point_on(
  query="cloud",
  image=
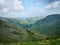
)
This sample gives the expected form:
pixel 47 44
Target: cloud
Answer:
pixel 5 10
pixel 53 5
pixel 56 4
pixel 18 5
pixel 2 2
pixel 3 6
pixel 11 5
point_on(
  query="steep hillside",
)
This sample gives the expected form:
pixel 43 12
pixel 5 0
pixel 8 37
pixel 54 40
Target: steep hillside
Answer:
pixel 49 25
pixel 11 31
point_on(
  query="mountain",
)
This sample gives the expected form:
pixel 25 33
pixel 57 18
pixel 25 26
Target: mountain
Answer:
pixel 12 31
pixel 49 25
pixel 15 30
pixel 32 20
pixel 21 22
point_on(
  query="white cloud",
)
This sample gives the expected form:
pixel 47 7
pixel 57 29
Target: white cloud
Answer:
pixel 3 7
pixel 53 5
pixel 48 6
pixel 56 4
pixel 9 6
pixel 18 5
pixel 5 10
pixel 2 2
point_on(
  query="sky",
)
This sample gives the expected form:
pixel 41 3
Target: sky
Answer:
pixel 28 8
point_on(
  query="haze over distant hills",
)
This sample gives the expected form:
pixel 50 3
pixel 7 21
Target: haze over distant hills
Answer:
pixel 34 19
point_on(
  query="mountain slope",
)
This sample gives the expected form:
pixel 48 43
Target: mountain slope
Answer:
pixel 11 31
pixel 49 25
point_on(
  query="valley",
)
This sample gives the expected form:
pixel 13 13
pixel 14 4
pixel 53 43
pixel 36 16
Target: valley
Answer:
pixel 32 31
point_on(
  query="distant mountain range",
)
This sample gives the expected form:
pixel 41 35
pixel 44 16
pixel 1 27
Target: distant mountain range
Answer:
pixel 34 19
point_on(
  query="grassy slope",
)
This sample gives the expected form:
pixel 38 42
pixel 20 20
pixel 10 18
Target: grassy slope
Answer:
pixel 49 25
pixel 43 42
pixel 11 31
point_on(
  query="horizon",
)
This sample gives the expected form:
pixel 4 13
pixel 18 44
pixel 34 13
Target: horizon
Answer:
pixel 29 17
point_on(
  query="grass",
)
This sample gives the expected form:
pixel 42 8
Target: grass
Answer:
pixel 43 42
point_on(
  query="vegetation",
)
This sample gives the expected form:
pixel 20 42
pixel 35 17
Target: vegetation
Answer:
pixel 43 32
pixel 43 42
pixel 49 25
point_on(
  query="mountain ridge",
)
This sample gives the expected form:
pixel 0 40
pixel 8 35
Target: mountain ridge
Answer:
pixel 47 24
